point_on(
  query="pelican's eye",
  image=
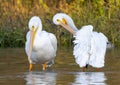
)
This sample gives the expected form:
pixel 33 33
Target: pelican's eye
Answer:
pixel 33 28
pixel 64 21
pixel 58 20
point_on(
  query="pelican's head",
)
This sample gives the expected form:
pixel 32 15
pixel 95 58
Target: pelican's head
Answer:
pixel 65 21
pixel 60 18
pixel 34 24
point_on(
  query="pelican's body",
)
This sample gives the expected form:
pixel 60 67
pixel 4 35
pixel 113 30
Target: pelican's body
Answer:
pixel 89 46
pixel 44 45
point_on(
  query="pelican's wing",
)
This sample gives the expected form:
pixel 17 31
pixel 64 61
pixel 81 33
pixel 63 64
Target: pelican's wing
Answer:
pixel 27 42
pixel 98 49
pixel 82 45
pixel 53 41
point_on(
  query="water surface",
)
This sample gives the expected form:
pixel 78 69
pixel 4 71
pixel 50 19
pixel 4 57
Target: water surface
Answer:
pixel 14 70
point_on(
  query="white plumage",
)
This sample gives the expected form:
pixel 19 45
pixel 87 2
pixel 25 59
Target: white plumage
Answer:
pixel 40 46
pixel 82 45
pixel 98 49
pixel 89 46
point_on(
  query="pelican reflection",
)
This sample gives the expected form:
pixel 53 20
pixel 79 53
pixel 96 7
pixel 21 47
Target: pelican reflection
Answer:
pixel 90 78
pixel 40 78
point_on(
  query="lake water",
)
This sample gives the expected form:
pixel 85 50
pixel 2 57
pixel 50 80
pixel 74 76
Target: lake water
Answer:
pixel 14 70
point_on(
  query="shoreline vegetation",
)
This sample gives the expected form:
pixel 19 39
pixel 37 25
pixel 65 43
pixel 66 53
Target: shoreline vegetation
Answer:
pixel 104 15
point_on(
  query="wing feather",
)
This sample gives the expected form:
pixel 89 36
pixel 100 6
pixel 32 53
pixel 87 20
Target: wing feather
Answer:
pixel 98 49
pixel 82 45
pixel 53 41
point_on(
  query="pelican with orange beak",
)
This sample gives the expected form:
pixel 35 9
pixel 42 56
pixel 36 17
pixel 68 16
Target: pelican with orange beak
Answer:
pixel 89 46
pixel 40 46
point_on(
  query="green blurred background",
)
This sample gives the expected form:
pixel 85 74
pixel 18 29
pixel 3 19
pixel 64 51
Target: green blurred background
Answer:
pixel 104 15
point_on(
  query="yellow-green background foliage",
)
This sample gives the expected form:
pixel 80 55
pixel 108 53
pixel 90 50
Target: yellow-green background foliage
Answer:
pixel 104 15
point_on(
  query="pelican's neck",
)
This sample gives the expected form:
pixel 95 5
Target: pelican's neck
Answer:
pixel 73 27
pixel 71 23
pixel 39 30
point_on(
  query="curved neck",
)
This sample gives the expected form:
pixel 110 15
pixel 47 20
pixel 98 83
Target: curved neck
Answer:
pixel 72 25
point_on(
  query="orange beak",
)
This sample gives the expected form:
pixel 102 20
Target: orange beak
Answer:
pixel 32 38
pixel 64 24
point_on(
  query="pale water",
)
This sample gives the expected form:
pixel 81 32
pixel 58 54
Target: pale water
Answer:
pixel 14 70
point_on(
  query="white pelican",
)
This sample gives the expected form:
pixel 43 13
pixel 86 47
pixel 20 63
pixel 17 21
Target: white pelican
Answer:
pixel 40 46
pixel 90 46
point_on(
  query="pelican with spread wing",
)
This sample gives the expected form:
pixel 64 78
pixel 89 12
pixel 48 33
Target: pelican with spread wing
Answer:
pixel 40 46
pixel 89 46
